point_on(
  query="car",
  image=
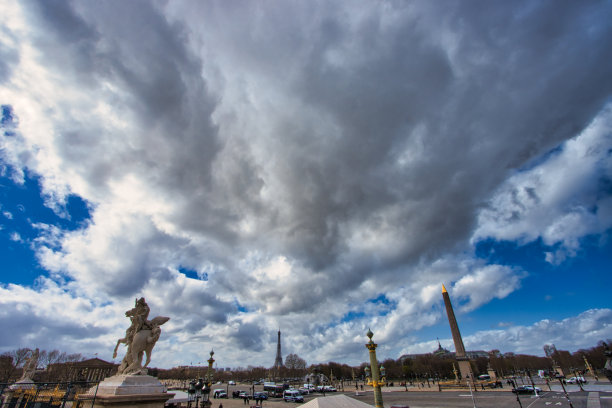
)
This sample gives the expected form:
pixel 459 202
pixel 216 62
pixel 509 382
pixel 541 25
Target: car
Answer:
pixel 260 395
pixel 576 380
pixel 238 394
pixel 304 391
pixel 292 395
pixel 525 389
pixel 231 382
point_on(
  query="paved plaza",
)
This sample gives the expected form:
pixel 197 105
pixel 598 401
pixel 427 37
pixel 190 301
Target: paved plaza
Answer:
pixel 595 396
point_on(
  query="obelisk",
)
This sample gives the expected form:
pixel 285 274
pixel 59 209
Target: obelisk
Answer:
pixel 462 360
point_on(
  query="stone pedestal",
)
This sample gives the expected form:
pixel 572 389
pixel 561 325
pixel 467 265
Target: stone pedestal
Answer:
pixel 16 391
pixel 466 370
pixel 558 371
pixel 128 391
pixel 23 384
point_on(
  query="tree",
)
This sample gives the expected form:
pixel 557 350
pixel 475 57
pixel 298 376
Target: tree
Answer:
pixel 49 357
pixel 295 362
pixel 11 361
pixel 295 365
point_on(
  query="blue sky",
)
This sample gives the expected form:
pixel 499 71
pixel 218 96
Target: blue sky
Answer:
pixel 320 168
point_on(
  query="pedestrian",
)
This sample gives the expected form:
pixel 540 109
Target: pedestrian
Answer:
pixel 244 399
pixel 221 405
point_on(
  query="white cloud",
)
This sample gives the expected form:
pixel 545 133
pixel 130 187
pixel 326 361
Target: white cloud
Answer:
pixel 308 159
pixel 559 200
pixel 573 333
pixel 486 283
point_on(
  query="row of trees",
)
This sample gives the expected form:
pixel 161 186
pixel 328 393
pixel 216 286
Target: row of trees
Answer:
pixel 411 369
pixel 402 369
pixel 11 362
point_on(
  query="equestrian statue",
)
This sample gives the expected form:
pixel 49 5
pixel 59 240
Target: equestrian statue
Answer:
pixel 140 338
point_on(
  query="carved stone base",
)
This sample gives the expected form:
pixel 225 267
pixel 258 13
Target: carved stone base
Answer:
pixel 129 385
pixel 23 384
pixel 128 391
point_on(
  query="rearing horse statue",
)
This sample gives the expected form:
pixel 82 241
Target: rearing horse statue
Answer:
pixel 140 338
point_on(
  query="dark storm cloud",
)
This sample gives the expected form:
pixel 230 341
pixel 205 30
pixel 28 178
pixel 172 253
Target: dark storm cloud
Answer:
pixel 248 336
pixel 420 102
pixel 468 92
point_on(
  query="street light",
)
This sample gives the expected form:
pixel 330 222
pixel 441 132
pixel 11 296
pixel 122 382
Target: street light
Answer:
pixel 191 393
pixel 589 368
pixel 194 392
pixel 198 391
pixel 375 379
pixel 206 385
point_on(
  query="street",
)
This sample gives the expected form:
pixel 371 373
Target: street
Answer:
pixel 415 398
pixel 491 399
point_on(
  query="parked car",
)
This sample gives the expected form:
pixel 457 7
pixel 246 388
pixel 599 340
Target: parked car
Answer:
pixel 525 389
pixel 292 396
pixel 238 394
pixel 261 395
pixel 231 382
pixel 576 380
pixel 304 391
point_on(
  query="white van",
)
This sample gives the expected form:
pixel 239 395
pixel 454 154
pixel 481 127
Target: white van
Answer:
pixel 220 393
pixel 310 387
pixel 292 396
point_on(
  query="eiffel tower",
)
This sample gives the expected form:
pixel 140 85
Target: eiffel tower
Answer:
pixel 278 363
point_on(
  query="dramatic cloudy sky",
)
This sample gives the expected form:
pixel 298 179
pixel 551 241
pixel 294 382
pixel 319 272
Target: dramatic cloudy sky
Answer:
pixel 321 167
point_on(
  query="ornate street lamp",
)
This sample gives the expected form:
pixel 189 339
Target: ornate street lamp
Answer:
pixel 375 378
pixel 589 368
pixel 191 393
pixel 206 390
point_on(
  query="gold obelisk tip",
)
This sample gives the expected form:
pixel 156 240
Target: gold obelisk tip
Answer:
pixel 443 289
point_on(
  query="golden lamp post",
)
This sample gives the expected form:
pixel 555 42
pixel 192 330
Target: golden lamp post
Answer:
pixel 211 360
pixel 206 397
pixel 589 368
pixel 375 379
